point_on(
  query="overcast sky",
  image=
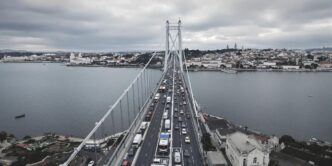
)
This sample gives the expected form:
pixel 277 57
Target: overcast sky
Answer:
pixel 120 25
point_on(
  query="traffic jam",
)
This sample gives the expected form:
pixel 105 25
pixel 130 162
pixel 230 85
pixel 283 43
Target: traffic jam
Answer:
pixel 173 143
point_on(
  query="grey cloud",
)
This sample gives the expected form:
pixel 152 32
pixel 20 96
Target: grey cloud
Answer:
pixel 139 25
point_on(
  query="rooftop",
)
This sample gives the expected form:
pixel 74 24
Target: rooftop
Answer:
pixel 216 158
pixel 241 142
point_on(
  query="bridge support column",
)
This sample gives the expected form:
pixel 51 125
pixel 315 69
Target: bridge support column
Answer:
pixel 176 43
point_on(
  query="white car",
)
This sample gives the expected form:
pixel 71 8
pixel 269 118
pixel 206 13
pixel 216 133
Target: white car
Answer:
pixel 177 157
pixel 181 112
pixel 91 163
pixel 187 139
pixel 184 131
pixel 157 160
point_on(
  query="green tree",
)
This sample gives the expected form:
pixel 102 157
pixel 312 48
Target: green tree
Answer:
pixel 3 136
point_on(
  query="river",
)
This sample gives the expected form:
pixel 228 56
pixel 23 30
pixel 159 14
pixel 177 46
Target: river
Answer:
pixel 68 100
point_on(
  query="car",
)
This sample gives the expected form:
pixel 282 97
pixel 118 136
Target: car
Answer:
pixel 187 139
pixel 131 152
pixel 176 127
pixel 188 116
pixel 175 109
pixel 183 125
pixel 91 163
pixel 184 103
pixel 186 153
pixel 184 131
pixel 156 160
pixel 181 111
pixel 175 115
pixel 125 163
pixel 180 119
pixel 180 104
pixel 163 102
pixel 177 157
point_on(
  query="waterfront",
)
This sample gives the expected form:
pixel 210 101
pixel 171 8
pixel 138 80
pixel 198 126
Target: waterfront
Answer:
pixel 68 100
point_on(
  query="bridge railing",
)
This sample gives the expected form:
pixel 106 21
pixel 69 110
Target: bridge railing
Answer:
pixel 125 143
pixel 122 116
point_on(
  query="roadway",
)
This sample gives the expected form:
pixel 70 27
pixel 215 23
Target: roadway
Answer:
pixel 148 151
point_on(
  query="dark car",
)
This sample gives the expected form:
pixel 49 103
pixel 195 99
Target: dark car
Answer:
pixel 186 153
pixel 188 116
pixel 131 152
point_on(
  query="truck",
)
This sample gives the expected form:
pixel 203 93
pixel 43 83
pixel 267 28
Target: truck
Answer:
pixel 168 99
pixel 137 140
pixel 165 115
pixel 167 124
pixel 163 145
pixel 143 126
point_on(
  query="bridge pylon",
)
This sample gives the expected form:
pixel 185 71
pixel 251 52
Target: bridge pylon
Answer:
pixel 173 44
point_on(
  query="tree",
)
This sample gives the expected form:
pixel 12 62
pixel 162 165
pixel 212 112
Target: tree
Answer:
pixel 286 139
pixel 27 137
pixel 3 136
pixel 207 143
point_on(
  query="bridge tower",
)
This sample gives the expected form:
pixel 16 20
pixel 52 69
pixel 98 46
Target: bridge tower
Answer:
pixel 173 44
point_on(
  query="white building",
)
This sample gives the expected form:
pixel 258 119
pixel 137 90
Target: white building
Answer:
pixel 288 67
pixel 79 59
pixel 243 150
pixel 15 58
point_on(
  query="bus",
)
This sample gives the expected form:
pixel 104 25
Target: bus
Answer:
pixel 163 142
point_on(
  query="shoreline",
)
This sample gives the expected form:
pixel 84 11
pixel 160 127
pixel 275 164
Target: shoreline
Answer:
pixel 229 71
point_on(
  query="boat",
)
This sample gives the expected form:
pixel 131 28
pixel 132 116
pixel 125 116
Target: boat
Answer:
pixel 20 116
pixel 229 71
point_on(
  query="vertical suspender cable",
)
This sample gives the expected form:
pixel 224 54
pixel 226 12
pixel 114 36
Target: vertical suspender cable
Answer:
pixel 139 103
pixel 113 125
pixel 134 104
pixel 128 109
pixel 142 92
pixel 122 126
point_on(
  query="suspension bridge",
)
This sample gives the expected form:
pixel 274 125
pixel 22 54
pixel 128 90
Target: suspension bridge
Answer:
pixel 159 120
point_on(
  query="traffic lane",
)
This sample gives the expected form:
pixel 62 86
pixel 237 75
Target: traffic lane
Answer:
pixel 196 157
pixel 148 148
pixel 151 140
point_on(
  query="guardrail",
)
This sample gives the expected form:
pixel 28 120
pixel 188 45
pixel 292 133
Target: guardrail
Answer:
pixel 114 160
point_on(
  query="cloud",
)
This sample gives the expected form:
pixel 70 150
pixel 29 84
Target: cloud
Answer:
pixel 105 25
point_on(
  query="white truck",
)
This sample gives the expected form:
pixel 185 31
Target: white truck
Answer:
pixel 167 124
pixel 168 99
pixel 165 115
pixel 137 140
pixel 143 126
